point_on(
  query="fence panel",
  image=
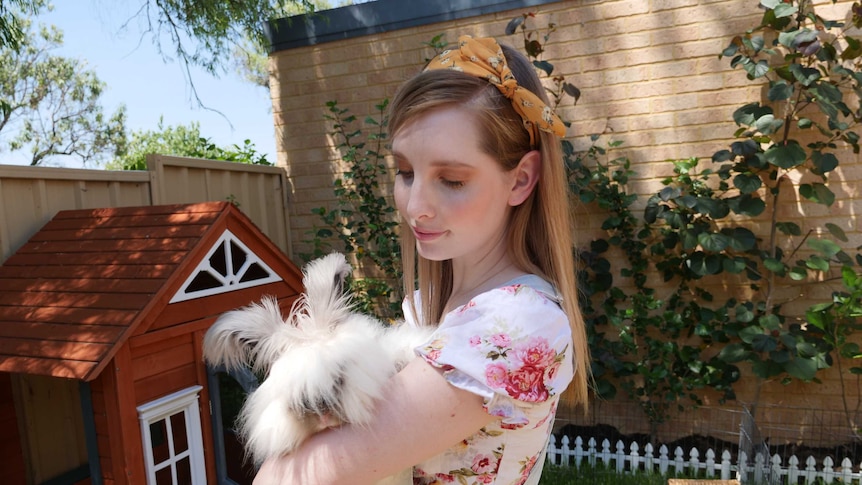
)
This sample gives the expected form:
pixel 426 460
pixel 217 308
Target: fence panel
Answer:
pixel 31 196
pixel 259 191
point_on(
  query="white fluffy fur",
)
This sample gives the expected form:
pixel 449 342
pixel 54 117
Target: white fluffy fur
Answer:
pixel 325 364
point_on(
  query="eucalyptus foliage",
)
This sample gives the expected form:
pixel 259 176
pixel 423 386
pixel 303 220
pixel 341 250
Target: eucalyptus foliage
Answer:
pixel 50 105
pixel 182 141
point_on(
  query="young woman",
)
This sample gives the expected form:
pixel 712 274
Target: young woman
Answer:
pixel 487 236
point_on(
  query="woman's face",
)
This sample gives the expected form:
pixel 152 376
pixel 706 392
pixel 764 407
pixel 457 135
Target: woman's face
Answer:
pixel 454 197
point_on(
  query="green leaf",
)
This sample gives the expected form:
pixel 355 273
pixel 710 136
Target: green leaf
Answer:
pixel 779 91
pixel 775 266
pixel 713 242
pixel 746 205
pixel 741 238
pixel 785 10
pixel 836 231
pixel 798 273
pixel 745 315
pixel 749 114
pixel 824 246
pixel 804 369
pixel 545 66
pixel 767 124
pixel 733 353
pixel 818 193
pixel 734 265
pixel 824 162
pixel 817 263
pixel 850 351
pixel 702 264
pixel 715 208
pixel 750 334
pixel 763 343
pixel 789 228
pixel 805 75
pixel 786 156
pixel 513 24
pixel 747 183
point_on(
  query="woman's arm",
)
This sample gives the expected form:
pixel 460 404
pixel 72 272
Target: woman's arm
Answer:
pixel 419 416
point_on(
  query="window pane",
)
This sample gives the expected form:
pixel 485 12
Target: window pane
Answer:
pixel 178 428
pixel 159 439
pixel 184 471
pixel 163 476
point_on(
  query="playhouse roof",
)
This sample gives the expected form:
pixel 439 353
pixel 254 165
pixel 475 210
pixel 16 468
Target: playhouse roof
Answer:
pixel 89 279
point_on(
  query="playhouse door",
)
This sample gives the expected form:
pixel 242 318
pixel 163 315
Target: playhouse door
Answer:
pixel 173 443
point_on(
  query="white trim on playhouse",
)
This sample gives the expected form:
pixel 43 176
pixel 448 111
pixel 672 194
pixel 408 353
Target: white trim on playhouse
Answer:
pixel 180 451
pixel 229 265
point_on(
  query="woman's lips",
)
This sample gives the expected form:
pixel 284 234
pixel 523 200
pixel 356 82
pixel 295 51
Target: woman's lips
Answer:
pixel 424 235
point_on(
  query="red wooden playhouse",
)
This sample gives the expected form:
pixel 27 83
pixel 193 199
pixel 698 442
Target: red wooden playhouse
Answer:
pixel 102 318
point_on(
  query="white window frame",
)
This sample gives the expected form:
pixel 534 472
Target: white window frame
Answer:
pixel 185 401
pixel 231 281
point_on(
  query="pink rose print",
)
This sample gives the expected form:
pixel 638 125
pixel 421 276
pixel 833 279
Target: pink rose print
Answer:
pixel 527 384
pixel 523 371
pixel 444 478
pixel 535 352
pixel 483 464
pixel 511 289
pixel 485 468
pixel 496 375
pixel 475 341
pixel 526 469
pixel 501 340
pixel 470 304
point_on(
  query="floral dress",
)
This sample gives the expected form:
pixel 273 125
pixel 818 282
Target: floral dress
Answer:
pixel 512 346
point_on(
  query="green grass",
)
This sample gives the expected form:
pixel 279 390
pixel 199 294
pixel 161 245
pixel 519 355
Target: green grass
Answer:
pixel 587 475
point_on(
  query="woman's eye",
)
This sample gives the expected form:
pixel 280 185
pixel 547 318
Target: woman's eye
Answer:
pixel 404 174
pixel 453 184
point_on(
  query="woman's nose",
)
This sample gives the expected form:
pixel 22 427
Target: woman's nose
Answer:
pixel 419 203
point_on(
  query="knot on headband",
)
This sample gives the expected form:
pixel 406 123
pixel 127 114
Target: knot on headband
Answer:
pixel 483 58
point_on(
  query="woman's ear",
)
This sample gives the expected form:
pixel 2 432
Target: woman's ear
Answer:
pixel 526 175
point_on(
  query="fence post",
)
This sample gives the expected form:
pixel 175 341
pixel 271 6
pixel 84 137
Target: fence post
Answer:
pixel 726 466
pixel 649 458
pixel 620 457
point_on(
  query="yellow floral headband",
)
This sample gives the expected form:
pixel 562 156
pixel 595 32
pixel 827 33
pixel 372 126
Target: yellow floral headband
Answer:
pixel 483 58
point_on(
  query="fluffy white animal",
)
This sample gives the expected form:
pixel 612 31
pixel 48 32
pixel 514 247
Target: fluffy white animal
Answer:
pixel 325 364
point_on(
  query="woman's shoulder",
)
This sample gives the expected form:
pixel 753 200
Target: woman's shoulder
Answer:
pixel 527 293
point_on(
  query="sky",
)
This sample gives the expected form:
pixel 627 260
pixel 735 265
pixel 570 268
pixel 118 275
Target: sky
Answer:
pixel 136 75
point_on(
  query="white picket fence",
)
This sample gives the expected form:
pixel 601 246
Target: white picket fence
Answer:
pixel 758 471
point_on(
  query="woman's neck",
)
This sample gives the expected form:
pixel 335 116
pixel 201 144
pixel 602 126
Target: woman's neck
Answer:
pixel 475 277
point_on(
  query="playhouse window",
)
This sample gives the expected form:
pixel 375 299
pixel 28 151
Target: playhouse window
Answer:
pixel 173 443
pixel 229 265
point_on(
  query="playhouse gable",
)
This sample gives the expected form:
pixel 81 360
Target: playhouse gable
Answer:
pixel 229 265
pixel 91 279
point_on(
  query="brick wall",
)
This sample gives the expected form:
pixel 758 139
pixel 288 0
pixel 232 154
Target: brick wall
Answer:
pixel 650 77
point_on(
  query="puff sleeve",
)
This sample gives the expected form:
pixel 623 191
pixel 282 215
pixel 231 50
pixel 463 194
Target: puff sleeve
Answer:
pixel 511 345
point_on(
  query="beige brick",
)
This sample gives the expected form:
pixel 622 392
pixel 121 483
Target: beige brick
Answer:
pixel 626 75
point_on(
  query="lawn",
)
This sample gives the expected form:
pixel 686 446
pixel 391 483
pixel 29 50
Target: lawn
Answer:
pixel 586 475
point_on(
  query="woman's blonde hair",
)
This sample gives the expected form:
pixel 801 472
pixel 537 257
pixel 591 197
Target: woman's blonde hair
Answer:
pixel 539 229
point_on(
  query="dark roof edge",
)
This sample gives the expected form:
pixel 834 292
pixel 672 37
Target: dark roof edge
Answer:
pixel 378 16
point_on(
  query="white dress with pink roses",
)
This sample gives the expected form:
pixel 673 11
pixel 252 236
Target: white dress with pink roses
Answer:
pixel 512 346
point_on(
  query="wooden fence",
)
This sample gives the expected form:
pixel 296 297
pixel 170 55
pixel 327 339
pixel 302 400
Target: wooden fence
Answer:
pixel 760 469
pixel 31 196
